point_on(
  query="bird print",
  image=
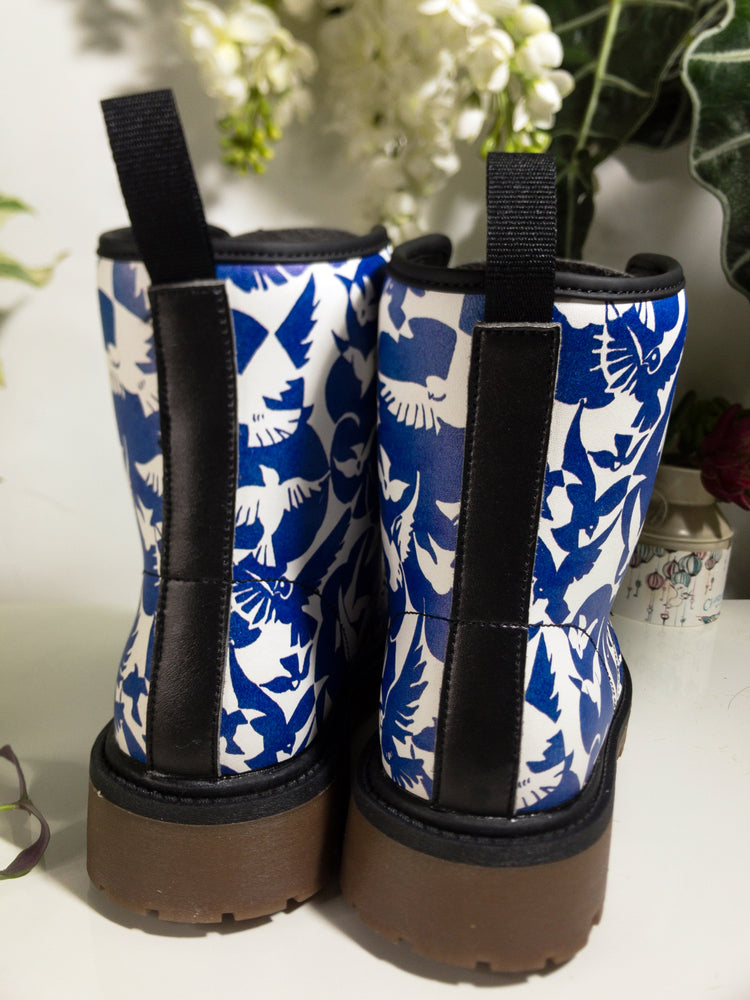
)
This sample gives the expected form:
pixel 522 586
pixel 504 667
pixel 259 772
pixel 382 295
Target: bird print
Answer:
pixel 436 565
pixel 392 489
pixel 356 347
pixel 633 355
pixel 305 337
pixel 396 542
pixel 152 473
pixel 130 355
pixel 450 510
pixel 149 527
pixel 423 377
pixel 353 466
pixel 273 346
pixel 267 505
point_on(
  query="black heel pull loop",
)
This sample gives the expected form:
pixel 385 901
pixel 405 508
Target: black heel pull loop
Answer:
pixel 512 376
pixel 521 238
pixel 159 188
pixel 195 360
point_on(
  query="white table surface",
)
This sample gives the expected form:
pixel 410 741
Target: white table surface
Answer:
pixel 677 917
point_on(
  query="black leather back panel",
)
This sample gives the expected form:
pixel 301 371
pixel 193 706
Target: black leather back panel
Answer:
pixel 197 399
pixel 511 390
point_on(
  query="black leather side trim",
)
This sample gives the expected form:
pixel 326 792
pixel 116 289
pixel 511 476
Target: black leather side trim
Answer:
pixel 195 359
pixel 423 263
pixel 511 389
pixel 281 246
pixel 495 841
pixel 226 799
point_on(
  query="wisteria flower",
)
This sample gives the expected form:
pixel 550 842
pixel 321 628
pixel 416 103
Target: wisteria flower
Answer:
pixel 255 68
pixel 464 12
pixel 403 85
pixel 302 9
pixel 489 54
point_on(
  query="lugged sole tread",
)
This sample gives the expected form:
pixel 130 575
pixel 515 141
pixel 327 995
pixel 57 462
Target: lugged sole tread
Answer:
pixel 492 965
pixel 195 874
pixel 511 920
pixel 475 963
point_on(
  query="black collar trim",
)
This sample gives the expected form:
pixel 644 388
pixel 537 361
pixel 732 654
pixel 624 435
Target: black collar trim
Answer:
pixel 280 246
pixel 423 262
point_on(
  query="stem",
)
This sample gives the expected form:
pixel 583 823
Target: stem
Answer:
pixel 605 51
pixel 599 77
pixel 570 184
pixel 711 17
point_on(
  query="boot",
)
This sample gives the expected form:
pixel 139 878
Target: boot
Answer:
pixel 523 406
pixel 243 375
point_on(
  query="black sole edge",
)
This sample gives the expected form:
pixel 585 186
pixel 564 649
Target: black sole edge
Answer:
pixel 229 799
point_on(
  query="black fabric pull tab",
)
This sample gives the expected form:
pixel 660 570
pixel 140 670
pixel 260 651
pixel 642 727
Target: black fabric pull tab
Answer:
pixel 159 188
pixel 521 238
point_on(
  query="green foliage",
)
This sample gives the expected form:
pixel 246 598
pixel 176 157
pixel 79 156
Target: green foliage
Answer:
pixel 716 72
pixel 620 53
pixel 656 72
pixel 37 276
pixel 692 420
pixel 248 135
pixel 11 268
pixel 671 119
pixel 10 206
pixel 14 269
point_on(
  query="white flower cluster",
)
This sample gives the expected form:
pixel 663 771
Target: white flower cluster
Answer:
pixel 256 69
pixel 408 81
pixel 405 81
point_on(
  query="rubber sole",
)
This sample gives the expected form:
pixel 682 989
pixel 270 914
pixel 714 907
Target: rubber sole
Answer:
pixel 197 851
pixel 198 873
pixel 511 895
pixel 509 919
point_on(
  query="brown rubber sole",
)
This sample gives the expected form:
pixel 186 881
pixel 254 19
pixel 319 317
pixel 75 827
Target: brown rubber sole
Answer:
pixel 514 900
pixel 510 919
pixel 193 873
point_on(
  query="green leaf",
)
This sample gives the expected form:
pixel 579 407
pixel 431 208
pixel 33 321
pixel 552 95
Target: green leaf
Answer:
pixel 619 53
pixel 37 276
pixel 691 420
pixel 14 269
pixel 669 123
pixel 11 206
pixel 672 116
pixel 716 72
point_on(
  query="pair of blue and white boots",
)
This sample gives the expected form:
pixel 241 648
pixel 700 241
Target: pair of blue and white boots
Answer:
pixel 352 467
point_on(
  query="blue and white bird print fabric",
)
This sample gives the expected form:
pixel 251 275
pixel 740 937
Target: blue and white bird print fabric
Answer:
pixel 129 346
pixel 306 551
pixel 424 355
pixel 616 377
pixel 306 555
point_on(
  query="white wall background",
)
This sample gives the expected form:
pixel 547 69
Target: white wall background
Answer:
pixel 67 532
